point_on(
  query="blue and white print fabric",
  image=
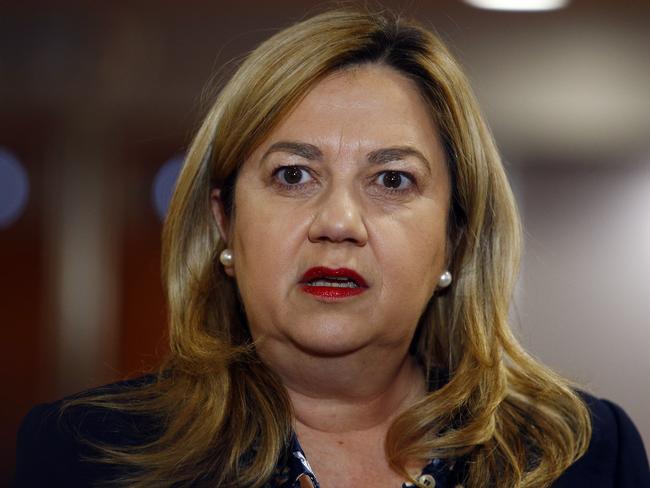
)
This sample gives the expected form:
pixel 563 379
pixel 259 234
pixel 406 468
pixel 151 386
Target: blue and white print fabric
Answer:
pixel 297 473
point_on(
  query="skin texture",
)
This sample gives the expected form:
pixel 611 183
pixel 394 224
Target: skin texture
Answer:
pixel 345 363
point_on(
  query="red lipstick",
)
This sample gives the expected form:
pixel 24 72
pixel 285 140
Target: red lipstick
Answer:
pixel 333 283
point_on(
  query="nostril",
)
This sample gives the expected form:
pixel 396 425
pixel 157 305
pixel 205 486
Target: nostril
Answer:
pixel 330 226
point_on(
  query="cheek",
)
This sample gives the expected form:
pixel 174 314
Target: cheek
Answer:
pixel 264 243
pixel 257 269
pixel 413 254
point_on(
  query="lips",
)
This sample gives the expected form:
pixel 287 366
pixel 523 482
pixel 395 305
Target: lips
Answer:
pixel 333 284
pixel 323 273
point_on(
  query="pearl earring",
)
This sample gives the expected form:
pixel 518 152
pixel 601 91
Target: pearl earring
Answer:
pixel 445 279
pixel 226 257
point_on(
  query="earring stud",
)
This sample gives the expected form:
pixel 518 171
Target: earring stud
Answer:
pixel 226 257
pixel 445 279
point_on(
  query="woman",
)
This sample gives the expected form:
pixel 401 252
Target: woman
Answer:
pixel 339 256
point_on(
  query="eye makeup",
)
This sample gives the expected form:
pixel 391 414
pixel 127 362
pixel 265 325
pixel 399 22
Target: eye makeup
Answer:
pixel 296 178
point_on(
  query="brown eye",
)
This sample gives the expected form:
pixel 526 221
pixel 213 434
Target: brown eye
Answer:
pixel 392 179
pixel 292 175
pixel 395 180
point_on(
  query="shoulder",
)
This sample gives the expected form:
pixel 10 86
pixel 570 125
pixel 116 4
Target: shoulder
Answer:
pixel 616 455
pixel 55 445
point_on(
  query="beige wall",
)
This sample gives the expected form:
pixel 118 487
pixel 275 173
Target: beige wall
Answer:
pixel 583 303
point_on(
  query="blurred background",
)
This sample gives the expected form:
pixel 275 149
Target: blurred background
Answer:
pixel 98 101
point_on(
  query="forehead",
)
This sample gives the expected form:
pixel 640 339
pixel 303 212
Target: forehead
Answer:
pixel 364 87
pixel 363 107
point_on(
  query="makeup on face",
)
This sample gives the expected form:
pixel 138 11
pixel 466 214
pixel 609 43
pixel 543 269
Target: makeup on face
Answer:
pixel 340 234
pixel 333 283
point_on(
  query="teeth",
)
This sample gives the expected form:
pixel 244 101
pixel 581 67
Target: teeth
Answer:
pixel 342 284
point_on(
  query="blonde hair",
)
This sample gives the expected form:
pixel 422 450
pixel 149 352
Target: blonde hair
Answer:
pixel 226 417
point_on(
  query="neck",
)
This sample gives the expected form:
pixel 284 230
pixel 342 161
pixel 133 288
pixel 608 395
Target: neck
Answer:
pixel 359 392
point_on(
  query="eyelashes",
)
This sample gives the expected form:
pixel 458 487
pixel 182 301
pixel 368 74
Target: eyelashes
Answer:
pixel 299 178
pixel 292 176
pixel 399 181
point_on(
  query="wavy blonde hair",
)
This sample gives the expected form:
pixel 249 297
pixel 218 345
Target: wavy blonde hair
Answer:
pixel 226 417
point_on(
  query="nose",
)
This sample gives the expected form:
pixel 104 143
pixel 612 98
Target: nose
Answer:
pixel 338 218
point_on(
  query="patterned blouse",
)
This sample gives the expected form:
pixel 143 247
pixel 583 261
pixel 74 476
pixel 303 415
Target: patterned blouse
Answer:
pixel 295 472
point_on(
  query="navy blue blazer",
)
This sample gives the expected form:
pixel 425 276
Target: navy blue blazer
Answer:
pixel 50 454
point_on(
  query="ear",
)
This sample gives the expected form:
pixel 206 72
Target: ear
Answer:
pixel 223 224
pixel 219 214
pixel 222 221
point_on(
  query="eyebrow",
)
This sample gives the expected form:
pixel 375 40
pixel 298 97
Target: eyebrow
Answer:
pixel 302 149
pixel 397 153
pixel 378 156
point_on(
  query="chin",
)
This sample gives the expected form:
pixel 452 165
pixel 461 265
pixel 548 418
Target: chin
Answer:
pixel 329 342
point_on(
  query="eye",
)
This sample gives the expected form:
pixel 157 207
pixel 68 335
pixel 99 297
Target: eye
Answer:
pixel 396 180
pixel 292 175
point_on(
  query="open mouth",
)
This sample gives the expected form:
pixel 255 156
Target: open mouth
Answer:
pixel 333 283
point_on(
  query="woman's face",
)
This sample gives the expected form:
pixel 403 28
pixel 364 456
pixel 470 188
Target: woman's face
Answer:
pixel 354 178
